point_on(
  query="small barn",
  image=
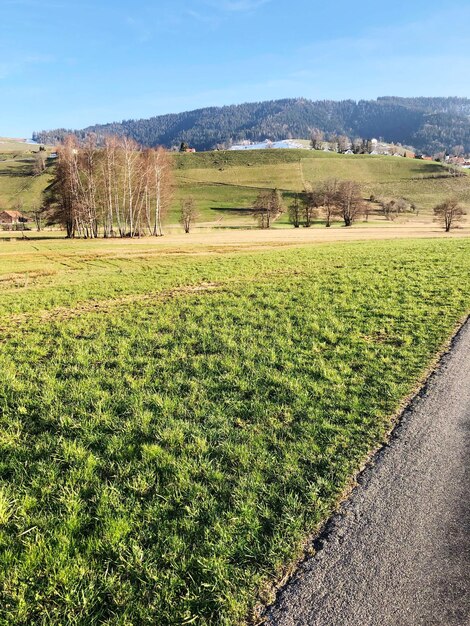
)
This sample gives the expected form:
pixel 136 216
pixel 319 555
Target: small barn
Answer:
pixel 11 218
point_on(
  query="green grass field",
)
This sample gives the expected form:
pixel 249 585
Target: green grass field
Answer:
pixel 173 426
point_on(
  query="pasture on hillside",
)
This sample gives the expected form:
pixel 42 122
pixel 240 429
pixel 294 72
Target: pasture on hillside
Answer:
pixel 224 181
pixel 19 187
pixel 174 423
pixel 8 145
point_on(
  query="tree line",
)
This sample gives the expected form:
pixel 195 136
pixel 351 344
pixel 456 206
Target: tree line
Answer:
pixel 343 200
pixel 117 190
pixel 429 124
pixel 333 198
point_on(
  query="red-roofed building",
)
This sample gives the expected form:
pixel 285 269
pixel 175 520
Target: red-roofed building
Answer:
pixel 11 218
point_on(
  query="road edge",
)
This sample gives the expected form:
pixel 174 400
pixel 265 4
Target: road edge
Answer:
pixel 316 540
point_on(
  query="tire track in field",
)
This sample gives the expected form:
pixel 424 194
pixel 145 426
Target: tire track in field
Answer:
pixel 20 322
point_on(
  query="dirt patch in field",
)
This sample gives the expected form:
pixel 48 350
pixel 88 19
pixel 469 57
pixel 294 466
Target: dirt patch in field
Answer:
pixel 22 280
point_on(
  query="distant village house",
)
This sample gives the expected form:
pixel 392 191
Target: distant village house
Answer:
pixel 12 218
pixel 184 147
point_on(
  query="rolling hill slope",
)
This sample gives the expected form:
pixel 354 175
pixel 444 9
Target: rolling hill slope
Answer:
pixel 223 181
pixel 19 187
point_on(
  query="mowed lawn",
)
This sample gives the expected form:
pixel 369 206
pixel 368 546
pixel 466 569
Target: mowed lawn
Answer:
pixel 173 426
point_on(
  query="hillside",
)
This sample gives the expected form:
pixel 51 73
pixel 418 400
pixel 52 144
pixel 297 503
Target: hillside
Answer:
pixel 225 183
pixel 222 182
pixel 19 186
pixel 9 145
pixel 428 124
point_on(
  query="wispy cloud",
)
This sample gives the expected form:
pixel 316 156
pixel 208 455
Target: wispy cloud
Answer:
pixel 140 29
pixel 34 4
pixel 383 59
pixel 209 19
pixel 237 6
pixel 8 69
pixel 393 42
pixel 221 10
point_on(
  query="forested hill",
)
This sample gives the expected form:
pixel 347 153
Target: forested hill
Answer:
pixel 428 124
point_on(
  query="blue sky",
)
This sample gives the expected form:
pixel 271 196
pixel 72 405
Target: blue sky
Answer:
pixel 73 63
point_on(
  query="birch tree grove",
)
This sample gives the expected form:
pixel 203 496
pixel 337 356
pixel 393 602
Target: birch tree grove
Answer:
pixel 118 190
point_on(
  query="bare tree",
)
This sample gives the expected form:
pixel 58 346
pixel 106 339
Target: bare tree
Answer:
pixel 367 146
pixel 158 188
pixel 317 138
pixel 267 207
pixel 344 143
pixel 389 209
pixel 37 210
pixel 111 187
pixel 325 197
pixel 349 202
pixel 357 145
pixel 87 187
pixel 39 163
pixel 295 212
pixel 18 204
pixel 402 205
pixel 62 201
pixel 393 207
pixel 449 213
pixel 458 151
pixel 308 206
pixel 188 214
pixel 333 141
pixel 132 177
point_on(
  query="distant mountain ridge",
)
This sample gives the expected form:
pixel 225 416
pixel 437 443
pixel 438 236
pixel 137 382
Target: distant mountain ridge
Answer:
pixel 429 124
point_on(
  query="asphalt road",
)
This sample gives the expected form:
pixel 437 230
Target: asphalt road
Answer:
pixel 398 552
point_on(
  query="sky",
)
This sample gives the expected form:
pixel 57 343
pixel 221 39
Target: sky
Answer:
pixel 72 63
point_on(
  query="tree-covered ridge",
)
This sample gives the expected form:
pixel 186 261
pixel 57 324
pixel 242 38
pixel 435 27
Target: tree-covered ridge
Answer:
pixel 428 124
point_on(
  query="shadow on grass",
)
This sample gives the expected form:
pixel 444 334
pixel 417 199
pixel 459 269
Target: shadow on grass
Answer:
pixel 233 210
pixel 17 235
pixel 17 172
